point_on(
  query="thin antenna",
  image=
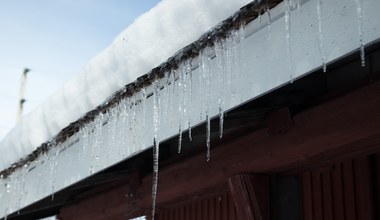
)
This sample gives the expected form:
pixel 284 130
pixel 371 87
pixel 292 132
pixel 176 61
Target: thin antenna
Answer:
pixel 22 94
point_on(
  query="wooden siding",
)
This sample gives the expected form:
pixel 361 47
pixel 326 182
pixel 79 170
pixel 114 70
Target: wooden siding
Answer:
pixel 217 207
pixel 343 190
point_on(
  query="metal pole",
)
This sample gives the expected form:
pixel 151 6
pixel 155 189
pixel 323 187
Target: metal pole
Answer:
pixel 22 94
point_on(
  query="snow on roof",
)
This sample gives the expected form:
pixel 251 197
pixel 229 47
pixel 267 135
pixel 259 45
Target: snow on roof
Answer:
pixel 149 41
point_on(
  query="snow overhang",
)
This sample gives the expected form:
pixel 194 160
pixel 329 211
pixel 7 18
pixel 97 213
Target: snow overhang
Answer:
pixel 227 67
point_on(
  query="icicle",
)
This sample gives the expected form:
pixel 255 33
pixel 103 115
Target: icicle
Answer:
pixel 235 66
pixel 124 127
pixel 219 52
pixel 241 61
pixel 207 76
pixel 156 142
pixel 6 191
pixel 201 82
pixel 298 2
pixel 54 160
pixel 298 7
pixel 288 37
pixel 113 114
pixel 85 132
pixel 134 127
pixel 181 104
pixel 269 23
pixel 172 95
pixel 97 142
pixel 259 16
pixel 228 66
pixel 7 195
pixel 359 10
pixel 22 187
pixel 143 104
pixel 166 100
pixel 320 34
pixel 190 80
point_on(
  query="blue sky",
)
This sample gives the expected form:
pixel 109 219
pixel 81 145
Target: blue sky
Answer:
pixel 54 39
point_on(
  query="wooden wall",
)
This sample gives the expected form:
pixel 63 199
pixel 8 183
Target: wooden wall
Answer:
pixel 339 130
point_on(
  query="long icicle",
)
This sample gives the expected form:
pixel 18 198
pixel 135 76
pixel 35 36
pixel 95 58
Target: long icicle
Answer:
pixel 190 102
pixel 156 143
pixel 180 105
pixel 219 52
pixel 208 76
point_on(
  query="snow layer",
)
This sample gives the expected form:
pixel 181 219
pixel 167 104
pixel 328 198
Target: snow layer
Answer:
pixel 149 41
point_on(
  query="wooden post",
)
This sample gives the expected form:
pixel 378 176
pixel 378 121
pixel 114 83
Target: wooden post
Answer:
pixel 250 194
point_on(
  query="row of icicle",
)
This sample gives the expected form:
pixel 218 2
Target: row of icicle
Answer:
pixel 127 121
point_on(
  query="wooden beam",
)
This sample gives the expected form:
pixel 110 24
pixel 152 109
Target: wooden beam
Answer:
pixel 344 127
pixel 250 194
pixel 279 122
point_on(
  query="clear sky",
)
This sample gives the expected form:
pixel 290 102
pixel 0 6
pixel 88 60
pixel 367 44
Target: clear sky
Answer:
pixel 55 39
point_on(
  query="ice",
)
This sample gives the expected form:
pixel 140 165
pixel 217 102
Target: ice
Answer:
pixel 320 34
pixel 143 98
pixel 172 96
pixel 182 101
pixel 359 10
pixel 53 168
pixel 267 12
pixel 206 76
pixel 189 107
pixel 221 70
pixel 166 102
pixel 288 36
pixel 156 142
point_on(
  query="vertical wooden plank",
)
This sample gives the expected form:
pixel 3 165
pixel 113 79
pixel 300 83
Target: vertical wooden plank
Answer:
pixel 192 211
pixel 337 185
pixel 199 210
pixel 212 208
pixel 377 187
pixel 258 186
pixel 307 196
pixel 218 207
pixel 205 209
pixel 232 214
pixel 177 214
pixel 250 194
pixel 241 198
pixel 225 199
pixel 317 195
pixel 327 196
pixel 349 191
pixel 364 192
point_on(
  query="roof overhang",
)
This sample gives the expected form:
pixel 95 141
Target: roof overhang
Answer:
pixel 259 55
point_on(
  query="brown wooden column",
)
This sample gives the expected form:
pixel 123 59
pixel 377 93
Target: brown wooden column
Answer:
pixel 250 194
